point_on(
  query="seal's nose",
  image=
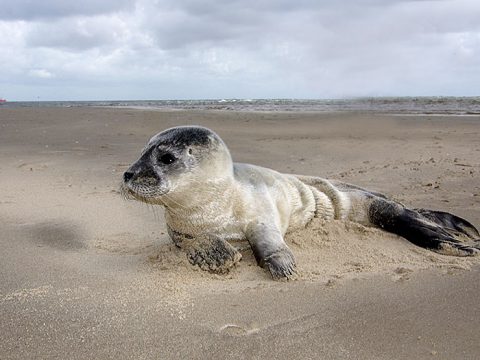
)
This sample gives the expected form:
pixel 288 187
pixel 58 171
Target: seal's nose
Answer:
pixel 127 175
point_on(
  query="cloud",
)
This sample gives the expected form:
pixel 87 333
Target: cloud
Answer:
pixel 264 48
pixel 77 34
pixel 41 73
pixel 48 9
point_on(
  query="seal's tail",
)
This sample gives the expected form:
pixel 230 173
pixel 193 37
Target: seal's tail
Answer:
pixel 435 230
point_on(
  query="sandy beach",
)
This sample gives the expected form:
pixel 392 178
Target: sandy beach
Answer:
pixel 85 274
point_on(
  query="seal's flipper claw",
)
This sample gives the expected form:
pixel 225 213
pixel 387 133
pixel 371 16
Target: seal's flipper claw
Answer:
pixel 459 249
pixel 270 250
pixel 281 264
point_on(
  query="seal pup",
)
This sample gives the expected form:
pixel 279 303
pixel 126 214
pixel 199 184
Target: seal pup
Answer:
pixel 209 201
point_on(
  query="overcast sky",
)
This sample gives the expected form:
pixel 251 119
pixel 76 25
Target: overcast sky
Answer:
pixel 193 49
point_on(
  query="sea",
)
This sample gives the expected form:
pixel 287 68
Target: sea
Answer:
pixel 395 105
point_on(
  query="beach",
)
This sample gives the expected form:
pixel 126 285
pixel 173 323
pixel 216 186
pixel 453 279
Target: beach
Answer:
pixel 85 273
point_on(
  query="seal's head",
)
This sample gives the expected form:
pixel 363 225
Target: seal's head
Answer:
pixel 175 161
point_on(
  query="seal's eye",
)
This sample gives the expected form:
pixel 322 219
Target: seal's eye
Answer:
pixel 167 158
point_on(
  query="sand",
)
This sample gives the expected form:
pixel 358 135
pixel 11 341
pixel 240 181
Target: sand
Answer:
pixel 86 274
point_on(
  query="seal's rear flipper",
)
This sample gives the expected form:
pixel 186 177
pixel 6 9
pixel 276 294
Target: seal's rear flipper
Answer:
pixel 441 232
pixel 450 221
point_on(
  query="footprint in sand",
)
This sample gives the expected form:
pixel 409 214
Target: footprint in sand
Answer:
pixel 237 330
pixel 32 167
pixel 402 274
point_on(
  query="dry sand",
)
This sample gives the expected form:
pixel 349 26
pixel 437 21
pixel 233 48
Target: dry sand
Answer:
pixel 85 274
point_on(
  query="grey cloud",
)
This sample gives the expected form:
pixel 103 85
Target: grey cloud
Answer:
pixel 341 26
pixel 75 34
pixel 182 24
pixel 47 9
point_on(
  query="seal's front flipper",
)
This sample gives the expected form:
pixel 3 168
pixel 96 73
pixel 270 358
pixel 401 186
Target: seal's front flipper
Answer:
pixel 270 250
pixel 212 253
pixel 429 229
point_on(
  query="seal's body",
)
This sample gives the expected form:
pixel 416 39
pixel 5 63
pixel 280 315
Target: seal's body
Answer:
pixel 209 200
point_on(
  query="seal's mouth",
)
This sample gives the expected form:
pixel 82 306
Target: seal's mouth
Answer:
pixel 147 191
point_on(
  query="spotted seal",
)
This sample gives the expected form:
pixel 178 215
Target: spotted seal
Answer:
pixel 210 201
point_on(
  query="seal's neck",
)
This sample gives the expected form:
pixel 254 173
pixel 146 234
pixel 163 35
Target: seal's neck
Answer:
pixel 199 195
pixel 206 207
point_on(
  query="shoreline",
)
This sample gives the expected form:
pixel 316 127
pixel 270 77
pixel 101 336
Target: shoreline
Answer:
pixel 381 105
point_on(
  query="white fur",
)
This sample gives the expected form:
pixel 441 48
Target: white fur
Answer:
pixel 221 197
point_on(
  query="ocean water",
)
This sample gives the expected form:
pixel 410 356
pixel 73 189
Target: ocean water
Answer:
pixel 396 105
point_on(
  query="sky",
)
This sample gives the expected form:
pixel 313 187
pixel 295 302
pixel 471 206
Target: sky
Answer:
pixel 215 49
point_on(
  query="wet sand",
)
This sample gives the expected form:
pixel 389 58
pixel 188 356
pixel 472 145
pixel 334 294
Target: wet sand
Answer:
pixel 85 274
